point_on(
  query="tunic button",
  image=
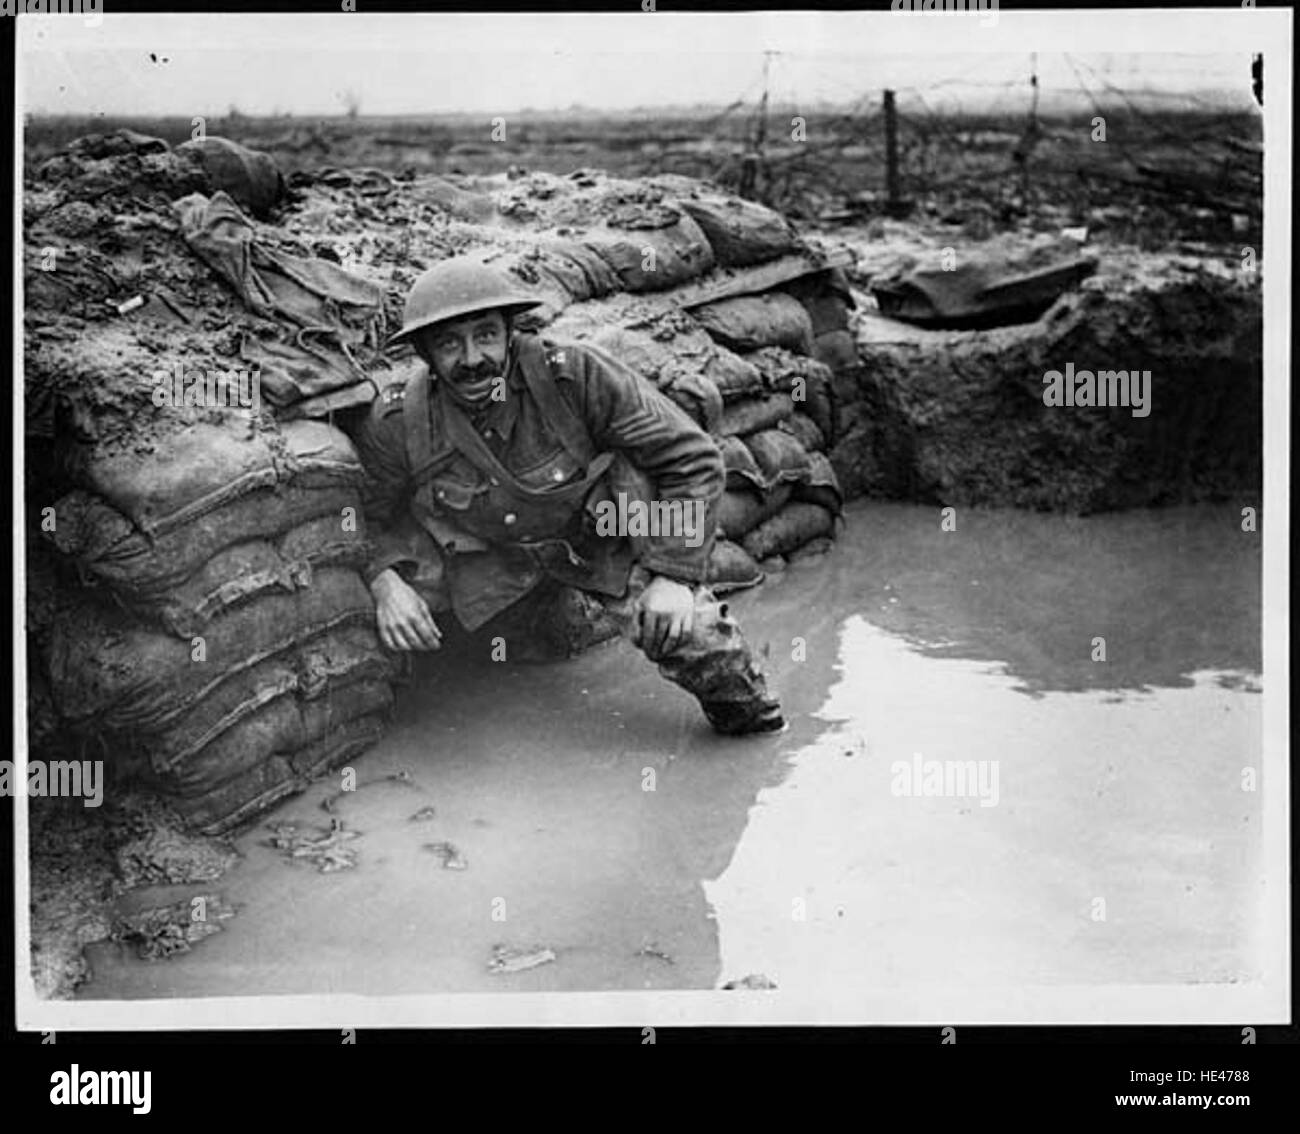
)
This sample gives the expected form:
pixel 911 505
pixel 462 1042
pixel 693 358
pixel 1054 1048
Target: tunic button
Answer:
pixel 558 474
pixel 493 482
pixel 510 517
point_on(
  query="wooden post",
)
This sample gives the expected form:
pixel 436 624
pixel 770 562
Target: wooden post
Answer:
pixel 894 204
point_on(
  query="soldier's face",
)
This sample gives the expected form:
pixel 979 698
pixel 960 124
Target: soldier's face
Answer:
pixel 469 353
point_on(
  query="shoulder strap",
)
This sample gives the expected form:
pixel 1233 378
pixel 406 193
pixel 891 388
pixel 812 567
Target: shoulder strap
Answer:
pixel 566 426
pixel 417 419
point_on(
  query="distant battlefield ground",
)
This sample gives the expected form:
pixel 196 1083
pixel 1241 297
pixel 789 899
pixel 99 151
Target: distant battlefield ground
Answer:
pixel 1158 177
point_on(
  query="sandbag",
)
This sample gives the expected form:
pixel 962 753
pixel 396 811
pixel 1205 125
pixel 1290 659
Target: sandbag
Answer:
pixel 189 472
pixel 311 670
pixel 805 431
pixel 837 349
pixel 552 280
pixel 251 177
pixel 227 805
pixel 792 527
pixel 805 379
pixel 779 456
pixel 731 568
pixel 742 510
pixel 753 414
pixel 810 550
pixel 653 259
pixel 243 571
pixel 742 469
pixel 828 311
pixel 107 545
pixel 699 397
pixel 751 322
pixel 110 669
pixel 740 232
pixel 580 270
pixel 282 726
pixel 820 485
pixel 734 376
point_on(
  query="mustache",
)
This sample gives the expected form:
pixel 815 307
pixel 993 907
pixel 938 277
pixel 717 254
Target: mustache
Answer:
pixel 463 375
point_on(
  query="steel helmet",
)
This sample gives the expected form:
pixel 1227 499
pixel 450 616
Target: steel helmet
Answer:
pixel 459 286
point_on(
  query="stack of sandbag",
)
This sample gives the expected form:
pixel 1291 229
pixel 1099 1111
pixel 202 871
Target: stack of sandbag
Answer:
pixel 782 496
pixel 748 368
pixel 771 410
pixel 227 652
pixel 828 299
pixel 568 239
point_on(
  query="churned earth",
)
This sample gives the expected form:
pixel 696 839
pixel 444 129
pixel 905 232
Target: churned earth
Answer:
pixel 508 838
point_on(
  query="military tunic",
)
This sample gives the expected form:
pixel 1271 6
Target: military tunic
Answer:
pixel 478 515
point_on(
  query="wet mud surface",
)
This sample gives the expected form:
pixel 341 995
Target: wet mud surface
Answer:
pixel 505 839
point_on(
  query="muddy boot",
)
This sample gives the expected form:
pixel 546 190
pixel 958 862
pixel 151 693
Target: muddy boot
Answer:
pixel 715 665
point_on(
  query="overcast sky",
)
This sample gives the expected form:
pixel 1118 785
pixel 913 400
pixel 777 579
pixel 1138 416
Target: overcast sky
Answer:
pixel 399 64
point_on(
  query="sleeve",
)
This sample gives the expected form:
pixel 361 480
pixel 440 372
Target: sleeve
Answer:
pixel 625 413
pixel 385 496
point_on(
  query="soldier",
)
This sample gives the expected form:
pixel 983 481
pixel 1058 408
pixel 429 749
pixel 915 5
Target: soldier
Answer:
pixel 487 474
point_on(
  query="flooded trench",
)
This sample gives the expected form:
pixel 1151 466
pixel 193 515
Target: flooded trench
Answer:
pixel 798 856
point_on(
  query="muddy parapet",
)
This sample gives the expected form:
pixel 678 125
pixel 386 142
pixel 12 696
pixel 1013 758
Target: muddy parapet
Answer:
pixel 963 417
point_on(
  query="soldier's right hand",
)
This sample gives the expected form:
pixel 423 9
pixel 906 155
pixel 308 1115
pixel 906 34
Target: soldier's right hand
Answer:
pixel 405 621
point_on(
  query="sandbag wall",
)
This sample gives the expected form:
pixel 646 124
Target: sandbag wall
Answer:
pixel 203 624
pixel 228 652
pixel 217 638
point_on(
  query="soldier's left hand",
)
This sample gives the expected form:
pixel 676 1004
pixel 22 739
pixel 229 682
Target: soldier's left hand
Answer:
pixel 667 616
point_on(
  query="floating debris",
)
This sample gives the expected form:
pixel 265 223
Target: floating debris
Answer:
pixel 753 981
pixel 452 859
pixel 164 931
pixel 424 814
pixel 508 960
pixel 327 851
pixel 653 950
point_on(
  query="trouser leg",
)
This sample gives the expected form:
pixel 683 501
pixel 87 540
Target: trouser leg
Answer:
pixel 716 665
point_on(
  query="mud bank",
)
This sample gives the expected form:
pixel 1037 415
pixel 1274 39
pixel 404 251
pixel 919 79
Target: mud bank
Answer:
pixel 958 417
pixel 968 645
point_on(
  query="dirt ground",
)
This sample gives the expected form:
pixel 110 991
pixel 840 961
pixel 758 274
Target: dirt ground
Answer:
pixel 1158 178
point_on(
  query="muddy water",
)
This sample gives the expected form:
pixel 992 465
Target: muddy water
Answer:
pixel 800 857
